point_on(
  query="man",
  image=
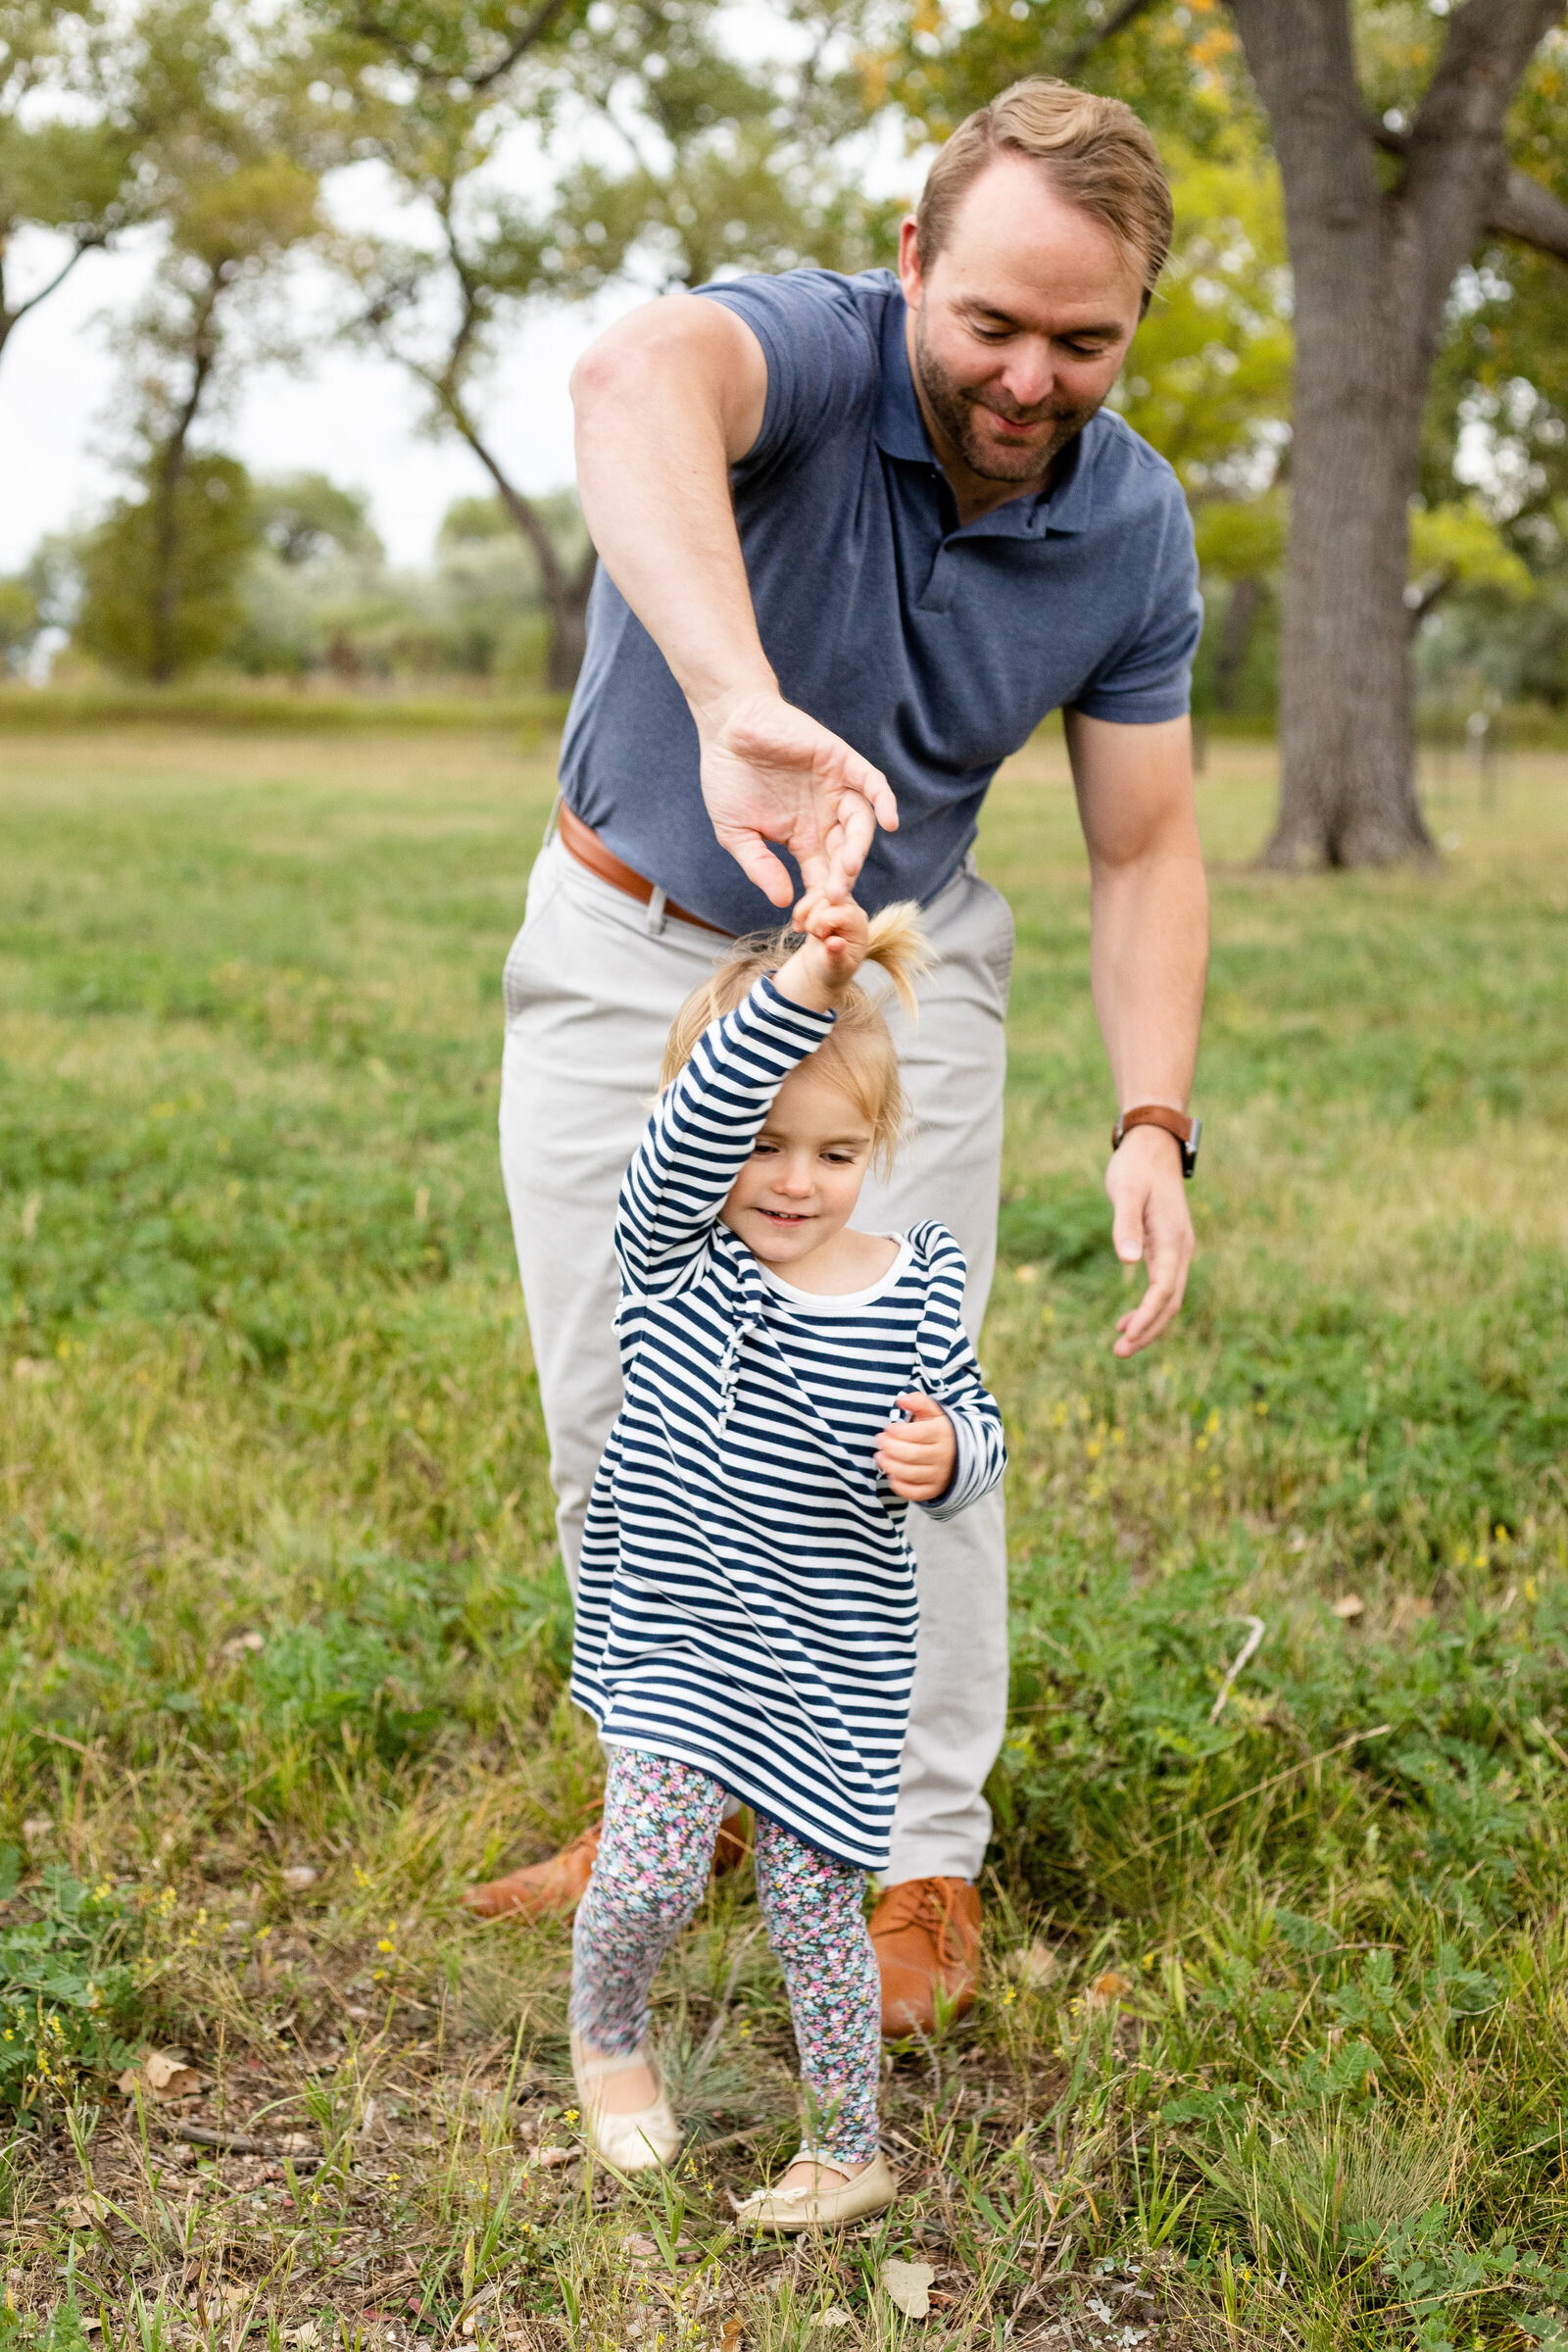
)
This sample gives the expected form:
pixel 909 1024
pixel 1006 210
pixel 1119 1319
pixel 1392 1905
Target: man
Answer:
pixel 857 537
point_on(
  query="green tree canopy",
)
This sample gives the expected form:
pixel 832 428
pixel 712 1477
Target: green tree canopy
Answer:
pixel 304 517
pixel 119 624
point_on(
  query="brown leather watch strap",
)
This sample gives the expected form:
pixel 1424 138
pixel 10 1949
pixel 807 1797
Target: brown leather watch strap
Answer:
pixel 1175 1122
pixel 581 842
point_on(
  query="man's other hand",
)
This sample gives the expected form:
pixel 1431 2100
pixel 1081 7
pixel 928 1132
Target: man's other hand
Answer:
pixel 773 774
pixel 1153 1222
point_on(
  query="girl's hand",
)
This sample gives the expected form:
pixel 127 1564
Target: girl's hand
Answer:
pixel 918 1456
pixel 836 933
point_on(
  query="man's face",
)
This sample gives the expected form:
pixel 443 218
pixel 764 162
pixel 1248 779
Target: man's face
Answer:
pixel 1020 326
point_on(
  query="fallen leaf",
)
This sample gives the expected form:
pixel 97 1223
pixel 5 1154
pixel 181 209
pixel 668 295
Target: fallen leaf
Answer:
pixel 1033 1963
pixel 165 2074
pixel 80 2213
pixel 369 2119
pixel 1348 1605
pixel 241 1645
pixel 835 2316
pixel 731 2335
pixel 306 2335
pixel 37 1830
pixel 550 2157
pixel 1112 1985
pixel 645 2249
pixel 905 2284
pixel 296 2144
pixel 301 1876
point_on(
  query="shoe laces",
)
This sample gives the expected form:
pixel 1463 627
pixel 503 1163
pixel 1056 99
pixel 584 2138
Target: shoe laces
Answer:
pixel 925 1903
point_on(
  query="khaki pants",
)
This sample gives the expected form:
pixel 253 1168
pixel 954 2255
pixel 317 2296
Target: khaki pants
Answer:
pixel 592 984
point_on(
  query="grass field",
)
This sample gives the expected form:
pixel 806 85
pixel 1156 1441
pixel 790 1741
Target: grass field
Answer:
pixel 1272 2048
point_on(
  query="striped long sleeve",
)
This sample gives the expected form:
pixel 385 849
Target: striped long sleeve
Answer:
pixel 950 1371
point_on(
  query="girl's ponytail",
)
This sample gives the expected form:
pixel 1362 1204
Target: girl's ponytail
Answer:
pixel 899 943
pixel 860 1055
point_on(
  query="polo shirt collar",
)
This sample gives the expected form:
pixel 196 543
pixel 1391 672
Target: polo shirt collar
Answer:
pixel 899 430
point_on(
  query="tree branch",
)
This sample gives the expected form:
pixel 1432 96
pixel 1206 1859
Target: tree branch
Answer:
pixel 1083 50
pixel 90 241
pixel 1530 215
pixel 537 26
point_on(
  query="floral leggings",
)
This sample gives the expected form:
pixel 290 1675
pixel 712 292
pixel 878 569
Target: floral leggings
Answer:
pixel 661 1821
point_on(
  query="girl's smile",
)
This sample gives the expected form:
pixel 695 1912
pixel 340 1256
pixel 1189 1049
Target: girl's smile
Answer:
pixel 793 1201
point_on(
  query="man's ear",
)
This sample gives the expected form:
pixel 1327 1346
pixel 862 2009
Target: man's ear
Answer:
pixel 909 262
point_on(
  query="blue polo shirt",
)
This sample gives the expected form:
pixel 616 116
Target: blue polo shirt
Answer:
pixel 934 647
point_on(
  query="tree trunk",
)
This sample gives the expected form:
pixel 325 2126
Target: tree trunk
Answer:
pixel 568 627
pixel 1372 270
pixel 1235 637
pixel 565 593
pixel 165 583
pixel 1346 748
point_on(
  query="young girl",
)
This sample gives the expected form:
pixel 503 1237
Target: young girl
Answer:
pixel 746 1616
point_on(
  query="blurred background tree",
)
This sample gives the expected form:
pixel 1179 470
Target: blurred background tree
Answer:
pixel 229 169
pixel 160 575
pixel 661 142
pixel 67 147
pixel 719 164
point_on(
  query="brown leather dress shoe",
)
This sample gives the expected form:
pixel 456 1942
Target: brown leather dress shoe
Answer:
pixel 553 1888
pixel 548 1889
pixel 926 1934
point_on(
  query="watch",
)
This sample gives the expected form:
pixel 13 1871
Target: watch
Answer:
pixel 1175 1122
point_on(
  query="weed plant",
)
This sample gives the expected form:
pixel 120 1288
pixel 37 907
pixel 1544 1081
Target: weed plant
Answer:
pixel 1270 2046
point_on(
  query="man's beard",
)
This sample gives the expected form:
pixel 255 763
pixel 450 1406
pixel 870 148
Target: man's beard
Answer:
pixel 955 407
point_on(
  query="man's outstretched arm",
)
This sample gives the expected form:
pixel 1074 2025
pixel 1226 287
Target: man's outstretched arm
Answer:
pixel 1149 956
pixel 666 402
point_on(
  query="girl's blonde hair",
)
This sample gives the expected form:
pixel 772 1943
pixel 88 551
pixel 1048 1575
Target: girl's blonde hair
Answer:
pixel 859 1055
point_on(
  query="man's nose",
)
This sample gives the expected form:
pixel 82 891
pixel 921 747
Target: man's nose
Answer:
pixel 1030 375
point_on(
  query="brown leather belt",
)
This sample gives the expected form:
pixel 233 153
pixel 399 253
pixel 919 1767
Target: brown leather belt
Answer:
pixel 581 842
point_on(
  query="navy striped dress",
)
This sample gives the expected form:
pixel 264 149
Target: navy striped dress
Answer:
pixel 747 1602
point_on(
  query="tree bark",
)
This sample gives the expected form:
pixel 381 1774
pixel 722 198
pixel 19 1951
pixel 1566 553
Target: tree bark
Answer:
pixel 166 535
pixel 1372 270
pixel 1235 637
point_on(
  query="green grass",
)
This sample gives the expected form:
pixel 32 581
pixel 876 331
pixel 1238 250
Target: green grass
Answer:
pixel 1271 2050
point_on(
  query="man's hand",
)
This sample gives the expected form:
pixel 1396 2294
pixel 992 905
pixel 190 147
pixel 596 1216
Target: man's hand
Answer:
pixel 918 1456
pixel 1148 1195
pixel 770 773
pixel 836 933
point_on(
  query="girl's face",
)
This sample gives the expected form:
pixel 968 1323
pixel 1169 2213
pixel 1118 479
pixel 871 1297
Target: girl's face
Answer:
pixel 798 1189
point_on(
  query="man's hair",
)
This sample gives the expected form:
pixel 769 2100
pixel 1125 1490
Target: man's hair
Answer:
pixel 1097 153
